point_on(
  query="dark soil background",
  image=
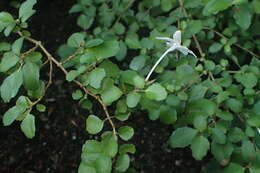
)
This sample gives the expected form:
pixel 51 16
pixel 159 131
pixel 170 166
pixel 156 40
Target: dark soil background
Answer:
pixel 60 130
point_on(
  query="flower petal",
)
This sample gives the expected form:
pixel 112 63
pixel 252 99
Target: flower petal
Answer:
pixel 164 38
pixel 185 50
pixel 177 37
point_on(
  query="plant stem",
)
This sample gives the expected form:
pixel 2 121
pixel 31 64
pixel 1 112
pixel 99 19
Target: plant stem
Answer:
pixel 157 62
pixel 59 65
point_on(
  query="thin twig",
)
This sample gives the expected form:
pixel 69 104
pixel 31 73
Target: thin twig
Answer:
pixel 69 58
pixel 59 65
pixel 193 35
pixel 236 44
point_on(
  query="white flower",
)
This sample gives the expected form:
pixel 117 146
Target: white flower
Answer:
pixel 173 44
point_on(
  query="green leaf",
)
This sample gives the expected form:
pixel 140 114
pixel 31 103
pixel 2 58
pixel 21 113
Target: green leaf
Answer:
pixel 11 114
pixel 121 54
pixel 110 94
pixel 41 107
pixel 235 135
pixel 96 76
pixel 248 150
pixel 132 78
pixel 182 137
pixel 210 65
pixel 133 99
pixel 93 124
pixel 204 106
pixel 243 16
pixel 11 85
pixel 93 43
pixel 17 46
pixel 166 5
pixel 233 167
pixel 222 96
pixel 109 144
pixel 195 26
pixel 28 126
pixel 111 69
pixel 72 75
pixel 214 6
pixel 225 115
pixel 256 6
pixel 199 147
pixel 122 163
pixel 167 115
pixel 126 132
pixel 173 100
pixel 248 80
pixel 197 92
pixel 85 21
pixel 26 10
pixel 215 47
pixel 156 92
pixel 200 122
pixel 222 153
pixel 76 95
pixel 92 146
pixel 119 28
pixel 105 50
pixel 127 148
pixel 31 76
pixel 132 41
pixel 103 164
pixel 8 61
pixel 218 136
pixel 234 105
pixel 6 19
pixel 5 46
pixel 137 63
pixel 76 8
pixel 76 40
pixel 83 168
pixel 9 29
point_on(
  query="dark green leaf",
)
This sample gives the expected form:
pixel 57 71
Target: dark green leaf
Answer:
pixel 182 137
pixel 31 76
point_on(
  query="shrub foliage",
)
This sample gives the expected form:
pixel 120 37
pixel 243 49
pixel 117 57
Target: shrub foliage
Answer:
pixel 212 102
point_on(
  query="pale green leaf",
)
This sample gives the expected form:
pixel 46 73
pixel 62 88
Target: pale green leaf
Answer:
pixel 156 92
pixel 93 124
pixel 28 126
pixel 11 85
